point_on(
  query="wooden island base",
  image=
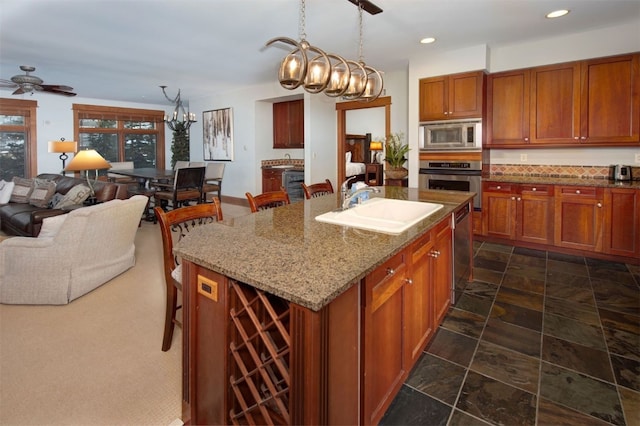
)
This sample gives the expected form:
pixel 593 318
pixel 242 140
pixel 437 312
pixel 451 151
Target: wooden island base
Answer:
pixel 254 358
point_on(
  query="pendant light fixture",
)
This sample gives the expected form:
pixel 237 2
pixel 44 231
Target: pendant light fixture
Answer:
pixel 316 71
pixel 366 83
pixel 306 65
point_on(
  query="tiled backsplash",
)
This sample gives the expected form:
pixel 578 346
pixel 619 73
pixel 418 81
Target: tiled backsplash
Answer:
pixel 283 162
pixel 586 172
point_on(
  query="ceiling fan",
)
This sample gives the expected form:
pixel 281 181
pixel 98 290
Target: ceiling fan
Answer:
pixel 27 83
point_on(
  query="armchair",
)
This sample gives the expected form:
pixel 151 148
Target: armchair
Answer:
pixel 73 254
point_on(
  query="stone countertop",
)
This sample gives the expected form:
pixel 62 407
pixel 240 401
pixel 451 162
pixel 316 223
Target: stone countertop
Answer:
pixel 602 183
pixel 286 252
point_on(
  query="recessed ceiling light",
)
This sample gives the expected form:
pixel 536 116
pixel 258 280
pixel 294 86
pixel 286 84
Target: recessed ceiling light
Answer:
pixel 557 13
pixel 427 40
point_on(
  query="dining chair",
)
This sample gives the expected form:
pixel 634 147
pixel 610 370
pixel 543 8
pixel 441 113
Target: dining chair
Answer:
pixel 197 164
pixel 113 176
pixel 317 189
pixel 180 164
pixel 186 186
pixel 174 225
pixel 213 180
pixel 267 200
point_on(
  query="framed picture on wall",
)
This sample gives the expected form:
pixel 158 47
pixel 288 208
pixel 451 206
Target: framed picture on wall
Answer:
pixel 218 134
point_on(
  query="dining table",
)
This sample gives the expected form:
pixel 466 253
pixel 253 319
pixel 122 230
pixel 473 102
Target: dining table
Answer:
pixel 144 176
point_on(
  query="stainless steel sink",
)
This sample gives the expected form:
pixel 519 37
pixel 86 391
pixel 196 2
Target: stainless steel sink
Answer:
pixel 382 215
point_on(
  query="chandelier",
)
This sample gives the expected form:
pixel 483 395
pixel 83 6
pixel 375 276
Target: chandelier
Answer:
pixel 181 119
pixel 316 71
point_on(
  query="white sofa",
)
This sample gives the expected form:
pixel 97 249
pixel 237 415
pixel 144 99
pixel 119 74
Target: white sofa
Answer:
pixel 73 254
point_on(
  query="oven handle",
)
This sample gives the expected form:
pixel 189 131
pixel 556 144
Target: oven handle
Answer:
pixel 450 172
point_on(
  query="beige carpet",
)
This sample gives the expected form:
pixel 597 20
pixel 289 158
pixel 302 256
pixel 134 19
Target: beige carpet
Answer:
pixel 96 361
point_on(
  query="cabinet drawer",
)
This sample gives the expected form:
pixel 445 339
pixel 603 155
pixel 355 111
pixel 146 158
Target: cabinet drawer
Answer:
pixel 386 280
pixel 505 188
pixel 536 189
pixel 578 191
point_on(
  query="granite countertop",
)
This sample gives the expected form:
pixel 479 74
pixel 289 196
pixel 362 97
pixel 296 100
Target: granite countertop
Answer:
pixel 286 252
pixel 602 183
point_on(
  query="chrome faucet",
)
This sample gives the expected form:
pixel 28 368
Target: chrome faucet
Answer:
pixel 347 200
pixel 288 157
pixel 344 188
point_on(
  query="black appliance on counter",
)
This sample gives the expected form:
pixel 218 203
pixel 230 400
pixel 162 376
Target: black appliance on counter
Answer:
pixel 453 176
pixel 292 183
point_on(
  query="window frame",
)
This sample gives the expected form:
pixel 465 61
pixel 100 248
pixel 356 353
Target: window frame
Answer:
pixel 82 111
pixel 28 110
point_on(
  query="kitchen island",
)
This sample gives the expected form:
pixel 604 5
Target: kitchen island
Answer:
pixel 292 321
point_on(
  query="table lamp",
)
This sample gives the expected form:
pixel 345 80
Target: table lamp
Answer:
pixel 86 160
pixel 63 147
pixel 373 147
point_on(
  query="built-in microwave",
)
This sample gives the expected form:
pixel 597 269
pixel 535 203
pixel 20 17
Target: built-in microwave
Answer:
pixel 451 135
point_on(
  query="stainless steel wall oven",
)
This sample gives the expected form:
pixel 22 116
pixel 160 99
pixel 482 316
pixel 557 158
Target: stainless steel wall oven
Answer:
pixel 453 176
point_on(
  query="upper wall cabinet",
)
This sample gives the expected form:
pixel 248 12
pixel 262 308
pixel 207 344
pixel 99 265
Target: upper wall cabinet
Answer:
pixel 288 124
pixel 594 102
pixel 452 96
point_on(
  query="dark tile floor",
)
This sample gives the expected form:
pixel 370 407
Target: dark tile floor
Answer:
pixel 538 338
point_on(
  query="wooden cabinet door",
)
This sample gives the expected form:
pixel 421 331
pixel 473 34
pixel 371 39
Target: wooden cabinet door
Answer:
pixel 578 217
pixel 622 222
pixel 535 214
pixel 466 93
pixel 433 98
pixel 499 210
pixel 555 104
pixel 384 368
pixel 508 108
pixel 442 272
pixel 418 311
pixel 271 180
pixel 452 96
pixel 610 106
pixel 288 124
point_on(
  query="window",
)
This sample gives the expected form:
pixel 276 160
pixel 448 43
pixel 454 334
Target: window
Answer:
pixel 121 134
pixel 18 142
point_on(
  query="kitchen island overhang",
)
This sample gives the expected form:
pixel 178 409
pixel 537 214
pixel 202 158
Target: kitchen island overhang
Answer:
pixel 283 325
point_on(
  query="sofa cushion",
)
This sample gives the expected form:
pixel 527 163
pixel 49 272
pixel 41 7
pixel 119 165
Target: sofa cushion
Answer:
pixel 21 190
pixel 75 196
pixel 51 226
pixel 42 192
pixel 6 188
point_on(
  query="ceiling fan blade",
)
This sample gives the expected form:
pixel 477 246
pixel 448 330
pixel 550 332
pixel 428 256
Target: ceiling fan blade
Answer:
pixel 56 87
pixel 18 91
pixel 7 83
pixel 57 91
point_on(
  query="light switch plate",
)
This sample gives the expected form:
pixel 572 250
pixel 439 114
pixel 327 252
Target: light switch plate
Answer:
pixel 637 158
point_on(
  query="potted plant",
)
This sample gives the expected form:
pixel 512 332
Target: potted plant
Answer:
pixel 395 150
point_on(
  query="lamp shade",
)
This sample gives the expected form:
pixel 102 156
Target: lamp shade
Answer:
pixel 63 146
pixel 375 146
pixel 88 159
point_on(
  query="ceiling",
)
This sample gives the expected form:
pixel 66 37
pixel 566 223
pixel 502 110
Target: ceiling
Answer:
pixel 122 50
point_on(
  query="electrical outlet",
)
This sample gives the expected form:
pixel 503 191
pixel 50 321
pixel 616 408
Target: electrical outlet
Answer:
pixel 637 158
pixel 523 158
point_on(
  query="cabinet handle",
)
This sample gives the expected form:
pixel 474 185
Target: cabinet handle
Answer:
pixel 513 198
pixel 519 199
pixel 434 253
pixel 534 189
pixel 576 138
pixel 391 271
pixel 599 204
pixel 583 137
pixel 577 191
pixel 498 187
pixel 526 139
pixel 408 281
pixel 446 113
